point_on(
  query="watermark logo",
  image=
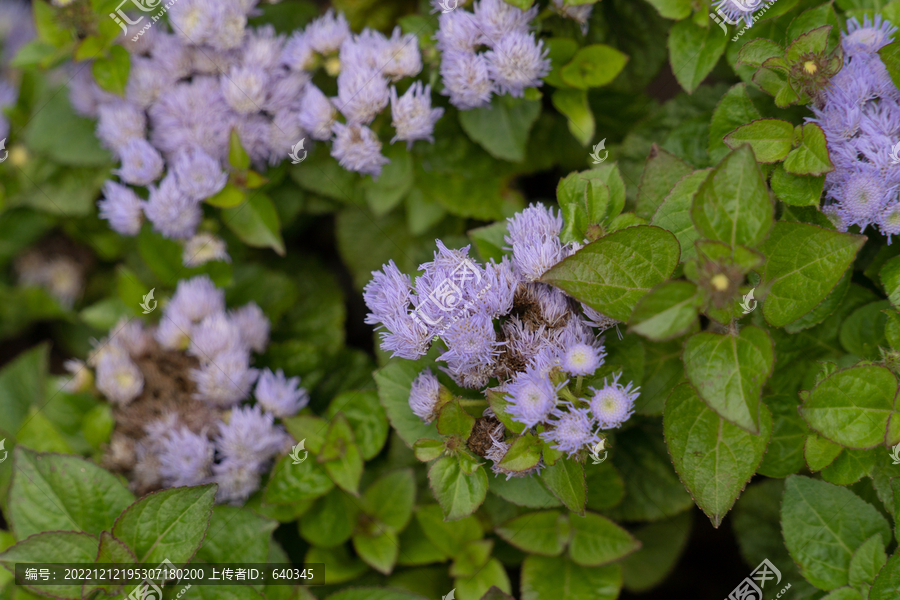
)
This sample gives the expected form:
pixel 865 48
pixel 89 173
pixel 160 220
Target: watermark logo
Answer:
pixel 5 453
pixel 447 297
pixel 146 303
pixel 147 591
pixel 122 18
pixel 746 304
pixel 596 450
pixel 446 6
pixel 450 596
pixel 895 154
pixel 895 454
pixel 3 149
pixel 295 452
pixel 748 6
pixel 751 587
pixel 595 155
pixel 295 159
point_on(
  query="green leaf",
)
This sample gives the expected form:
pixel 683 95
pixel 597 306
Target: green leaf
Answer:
pixel 237 156
pixel 733 204
pixel 890 56
pixel 580 211
pixel 22 385
pixel 661 546
pixel 784 455
pixel 819 452
pixel 573 104
pixel 797 190
pixel 169 524
pixel 474 556
pixel 488 240
pixel 544 532
pixel 523 454
pixel 598 541
pixel 394 382
pixel 863 332
pixel 236 535
pixel 674 214
pixel 289 483
pixel 458 494
pixel 612 274
pixel 837 519
pixel 341 457
pixel 770 139
pixel 345 566
pixel 565 480
pixel 256 223
pixel 714 458
pixel 523 491
pixel 855 408
pixel 867 561
pixel 493 574
pixel 427 450
pixel 51 491
pixel 734 110
pixel 450 538
pixel 593 66
pixel 755 52
pixel 57 121
pixel 503 127
pixel 379 551
pixel 54 546
pixel 366 418
pixel 666 312
pixel 652 489
pixel 811 156
pixel 728 372
pixel 111 71
pixel 803 264
pixel 547 577
pixel 890 279
pixel 112 551
pixel 560 52
pixel 454 420
pixel 887 584
pixel 693 52
pixel 331 520
pixel 390 498
pixel 661 173
pixel 228 197
pixel 415 547
pixel 672 9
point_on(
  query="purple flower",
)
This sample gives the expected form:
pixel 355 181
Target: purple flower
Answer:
pixel 197 298
pixel 362 94
pixel 192 115
pixel 262 48
pixel 738 10
pixel 356 147
pixel 467 79
pixel 413 117
pixel 517 62
pixel 122 208
pixel 225 381
pixel 172 55
pixel 889 220
pixel 118 123
pixel 118 378
pixel 172 213
pixel 214 335
pixel 237 480
pixel 532 397
pixel 326 34
pixel 424 395
pixel 203 248
pixel 497 18
pixel 284 132
pixel 458 31
pixel 250 435
pixel 298 54
pixel 533 235
pixel 572 430
pixel 279 395
pixel 471 342
pixel 612 404
pixel 868 37
pixel 130 336
pixel 317 114
pixel 405 338
pixel 174 330
pixel 244 89
pixel 193 19
pixel 253 326
pixel 582 359
pixel 141 163
pixel 198 174
pixel 595 318
pixel 387 295
pixel 227 25
pixel 146 81
pixel 253 131
pixel 185 458
pixel 285 91
pixel 403 56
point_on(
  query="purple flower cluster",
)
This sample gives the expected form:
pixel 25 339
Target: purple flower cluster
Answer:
pixel 233 450
pixel 543 337
pixel 16 29
pixel 736 11
pixel 512 60
pixel 861 120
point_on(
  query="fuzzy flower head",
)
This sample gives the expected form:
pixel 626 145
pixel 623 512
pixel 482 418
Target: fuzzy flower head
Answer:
pixel 252 325
pixel 226 380
pixel 141 163
pixel 739 10
pixel 185 457
pixel 458 31
pixel 118 378
pixel 472 343
pixel 613 404
pixel 326 34
pixel 171 211
pixel 425 395
pixel 573 430
pixel 122 208
pixel 203 248
pixel 196 298
pixel 198 174
pixel 250 436
pixel 867 37
pixel 362 94
pixel 532 397
pixel 279 395
pixel 214 335
pixel 582 359
pixel 357 148
pixel 413 117
pixel 403 56
pixel 518 62
pixel 317 113
pixel 497 18
pixel 467 79
pixel 118 123
pixel 387 295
